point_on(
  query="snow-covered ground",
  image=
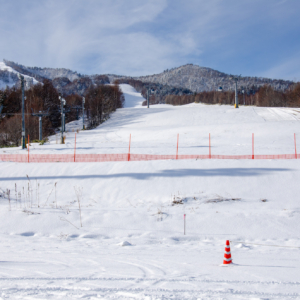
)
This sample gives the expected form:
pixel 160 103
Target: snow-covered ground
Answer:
pixel 47 254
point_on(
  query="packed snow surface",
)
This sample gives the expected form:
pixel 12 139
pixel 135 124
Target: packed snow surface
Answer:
pixel 115 230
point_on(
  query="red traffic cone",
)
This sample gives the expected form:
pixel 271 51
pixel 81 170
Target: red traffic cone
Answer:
pixel 227 256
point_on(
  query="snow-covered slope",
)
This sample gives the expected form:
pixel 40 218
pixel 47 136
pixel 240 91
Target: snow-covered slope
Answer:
pixel 8 76
pixel 47 254
pixel 133 99
pixel 199 79
pixel 49 73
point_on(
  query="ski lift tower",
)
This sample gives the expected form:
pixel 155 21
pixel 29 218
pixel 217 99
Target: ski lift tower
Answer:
pixel 21 77
pixel 149 92
pixel 62 103
pixel 236 102
pixel 236 105
pixel 40 115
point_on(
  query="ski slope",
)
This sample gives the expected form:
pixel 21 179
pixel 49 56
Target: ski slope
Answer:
pixel 131 244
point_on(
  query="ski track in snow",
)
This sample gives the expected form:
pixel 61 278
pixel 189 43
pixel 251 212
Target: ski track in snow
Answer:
pixel 131 245
pixel 277 114
pixel 142 293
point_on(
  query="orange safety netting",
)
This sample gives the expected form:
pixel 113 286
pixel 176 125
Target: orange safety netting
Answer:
pixel 46 158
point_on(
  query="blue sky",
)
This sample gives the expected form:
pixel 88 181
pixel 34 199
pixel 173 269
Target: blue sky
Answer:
pixel 141 37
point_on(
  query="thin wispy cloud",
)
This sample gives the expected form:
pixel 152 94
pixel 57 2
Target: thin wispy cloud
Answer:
pixel 133 37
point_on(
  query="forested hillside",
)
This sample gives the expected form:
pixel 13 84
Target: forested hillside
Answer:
pixel 101 100
pixel 263 96
pixel 199 79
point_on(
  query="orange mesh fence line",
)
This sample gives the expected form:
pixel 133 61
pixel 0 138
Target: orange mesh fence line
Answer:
pixel 51 158
pixel 100 157
pixel 276 156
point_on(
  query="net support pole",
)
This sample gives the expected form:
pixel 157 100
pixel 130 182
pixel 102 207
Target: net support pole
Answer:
pixel 252 145
pixel 129 147
pixel 177 145
pixel 209 146
pixel 295 146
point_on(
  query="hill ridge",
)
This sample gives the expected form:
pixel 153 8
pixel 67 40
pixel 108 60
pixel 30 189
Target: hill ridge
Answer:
pixel 189 76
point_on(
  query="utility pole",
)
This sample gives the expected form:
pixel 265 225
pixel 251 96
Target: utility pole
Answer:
pixel 23 111
pixel 83 101
pixel 40 115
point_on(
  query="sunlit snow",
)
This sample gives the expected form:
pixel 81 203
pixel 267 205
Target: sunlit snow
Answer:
pixel 46 254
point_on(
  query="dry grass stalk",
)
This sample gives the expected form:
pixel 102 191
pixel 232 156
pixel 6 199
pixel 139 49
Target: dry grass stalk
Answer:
pixel 24 196
pixel 65 220
pixel 177 200
pixel 8 197
pixel 221 199
pixel 50 194
pixel 78 192
pixel 16 194
pixel 30 191
pixel 20 198
pixel 38 195
pixel 28 196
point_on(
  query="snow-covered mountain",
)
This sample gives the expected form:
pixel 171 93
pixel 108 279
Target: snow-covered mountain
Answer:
pixel 191 77
pixel 64 80
pixel 199 79
pixel 41 73
pixel 9 76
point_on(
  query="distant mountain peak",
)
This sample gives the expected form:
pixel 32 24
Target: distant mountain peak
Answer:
pixel 199 79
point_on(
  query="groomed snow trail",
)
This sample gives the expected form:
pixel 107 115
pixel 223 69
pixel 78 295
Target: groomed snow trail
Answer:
pixel 47 254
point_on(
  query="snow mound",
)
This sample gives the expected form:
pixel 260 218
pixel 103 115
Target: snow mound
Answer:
pixel 124 243
pixel 242 246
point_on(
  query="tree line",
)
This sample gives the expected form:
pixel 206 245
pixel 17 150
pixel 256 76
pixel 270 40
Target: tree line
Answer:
pixel 254 95
pixel 101 101
pixel 265 96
